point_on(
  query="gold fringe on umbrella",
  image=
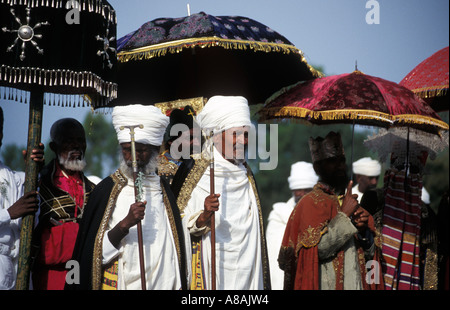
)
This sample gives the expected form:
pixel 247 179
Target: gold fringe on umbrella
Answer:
pixel 333 115
pixel 430 92
pixel 158 50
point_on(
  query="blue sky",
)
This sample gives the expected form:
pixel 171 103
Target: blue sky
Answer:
pixel 332 34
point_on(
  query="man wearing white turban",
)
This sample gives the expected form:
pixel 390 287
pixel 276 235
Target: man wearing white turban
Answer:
pixel 301 181
pixel 241 254
pixel 107 246
pixel 366 171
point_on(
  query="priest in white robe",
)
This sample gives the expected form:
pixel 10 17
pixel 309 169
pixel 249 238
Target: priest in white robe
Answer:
pixel 241 254
pixel 107 245
pixel 301 181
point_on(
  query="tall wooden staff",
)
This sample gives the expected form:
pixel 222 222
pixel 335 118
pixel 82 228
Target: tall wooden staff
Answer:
pixel 137 194
pixel 213 217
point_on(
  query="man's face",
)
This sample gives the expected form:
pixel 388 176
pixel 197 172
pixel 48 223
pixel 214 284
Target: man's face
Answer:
pixel 299 193
pixel 333 171
pixel 71 149
pixel 233 144
pixel 144 153
pixel 365 182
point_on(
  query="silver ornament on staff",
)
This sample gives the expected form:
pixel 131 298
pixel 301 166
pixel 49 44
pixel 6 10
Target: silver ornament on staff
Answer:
pixel 137 194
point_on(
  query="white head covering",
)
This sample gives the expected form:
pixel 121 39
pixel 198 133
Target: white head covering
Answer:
pixel 154 121
pixel 302 176
pixel 224 112
pixel 367 166
pixel 425 196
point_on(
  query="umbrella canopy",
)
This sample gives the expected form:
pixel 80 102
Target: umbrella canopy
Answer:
pixel 42 51
pixel 429 80
pixel 40 48
pixel 202 55
pixel 352 98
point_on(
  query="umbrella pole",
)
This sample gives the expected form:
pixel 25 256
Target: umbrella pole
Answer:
pixel 31 179
pixel 213 219
pixel 351 155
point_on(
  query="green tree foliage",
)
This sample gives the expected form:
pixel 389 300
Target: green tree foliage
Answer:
pixel 12 156
pixel 101 151
pixel 102 146
pixel 293 137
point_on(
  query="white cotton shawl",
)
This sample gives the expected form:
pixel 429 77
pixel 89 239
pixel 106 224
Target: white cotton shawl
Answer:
pixel 276 225
pixel 224 112
pixel 153 120
pixel 238 236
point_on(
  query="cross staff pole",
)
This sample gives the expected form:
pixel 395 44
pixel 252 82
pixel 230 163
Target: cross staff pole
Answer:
pixel 213 217
pixel 137 195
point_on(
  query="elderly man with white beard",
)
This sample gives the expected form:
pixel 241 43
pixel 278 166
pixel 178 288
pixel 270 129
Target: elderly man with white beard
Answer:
pixel 64 191
pixel 107 245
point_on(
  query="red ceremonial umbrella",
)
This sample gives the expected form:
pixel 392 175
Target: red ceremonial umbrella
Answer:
pixel 429 80
pixel 352 98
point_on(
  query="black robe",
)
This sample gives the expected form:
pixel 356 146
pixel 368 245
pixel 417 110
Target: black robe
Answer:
pixel 93 215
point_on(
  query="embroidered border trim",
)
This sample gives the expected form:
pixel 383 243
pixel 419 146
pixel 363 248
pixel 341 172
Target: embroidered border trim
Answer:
pixel 97 271
pixel 190 183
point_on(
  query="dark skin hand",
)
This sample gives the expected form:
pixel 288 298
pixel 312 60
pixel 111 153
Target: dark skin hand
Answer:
pixel 211 205
pixel 134 216
pixel 37 154
pixel 27 204
pixel 351 208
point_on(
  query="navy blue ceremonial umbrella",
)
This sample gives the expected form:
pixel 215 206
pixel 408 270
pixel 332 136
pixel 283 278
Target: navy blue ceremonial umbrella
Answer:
pixel 202 55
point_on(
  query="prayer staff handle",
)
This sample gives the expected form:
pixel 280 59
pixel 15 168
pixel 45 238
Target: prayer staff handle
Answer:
pixel 136 195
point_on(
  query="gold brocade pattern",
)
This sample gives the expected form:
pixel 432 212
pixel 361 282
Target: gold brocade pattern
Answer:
pixel 311 236
pixel 265 257
pixel 196 103
pixel 431 270
pixel 97 269
pixel 190 183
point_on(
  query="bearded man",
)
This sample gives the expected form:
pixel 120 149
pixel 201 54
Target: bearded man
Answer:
pixel 107 246
pixel 328 236
pixel 241 252
pixel 64 191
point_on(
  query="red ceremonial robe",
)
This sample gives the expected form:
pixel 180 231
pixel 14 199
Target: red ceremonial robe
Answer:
pixel 299 256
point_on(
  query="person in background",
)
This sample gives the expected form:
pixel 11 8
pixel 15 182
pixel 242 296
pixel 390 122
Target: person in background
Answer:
pixel 64 191
pixel 14 204
pixel 301 181
pixel 366 173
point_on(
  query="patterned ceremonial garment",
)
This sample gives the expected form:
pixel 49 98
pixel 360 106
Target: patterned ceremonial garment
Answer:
pixel 62 199
pixel 104 267
pixel 320 249
pixel 401 230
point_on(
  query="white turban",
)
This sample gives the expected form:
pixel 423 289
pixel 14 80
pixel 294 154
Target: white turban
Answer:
pixel 367 166
pixel 153 120
pixel 224 112
pixel 425 196
pixel 302 176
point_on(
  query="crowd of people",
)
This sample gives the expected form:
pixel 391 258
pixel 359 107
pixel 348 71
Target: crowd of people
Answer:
pixel 328 236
